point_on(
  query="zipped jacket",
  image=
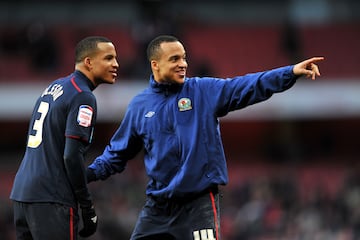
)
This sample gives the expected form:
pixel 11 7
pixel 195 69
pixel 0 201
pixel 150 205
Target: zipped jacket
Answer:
pixel 178 128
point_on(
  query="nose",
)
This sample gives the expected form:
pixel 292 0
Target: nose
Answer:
pixel 183 63
pixel 116 64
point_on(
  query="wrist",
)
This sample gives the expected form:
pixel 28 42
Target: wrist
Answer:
pixel 90 175
pixel 84 198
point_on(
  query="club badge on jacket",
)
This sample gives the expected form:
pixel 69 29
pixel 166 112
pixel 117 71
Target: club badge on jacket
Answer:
pixel 184 104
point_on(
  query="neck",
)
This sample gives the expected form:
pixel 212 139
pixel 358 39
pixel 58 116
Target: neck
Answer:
pixel 87 74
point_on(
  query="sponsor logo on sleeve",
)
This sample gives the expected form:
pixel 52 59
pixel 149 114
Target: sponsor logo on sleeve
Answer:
pixel 85 116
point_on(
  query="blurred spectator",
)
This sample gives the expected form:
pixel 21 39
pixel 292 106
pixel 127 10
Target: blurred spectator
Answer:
pixel 291 42
pixel 202 68
pixel 42 48
pixel 6 220
pixel 154 18
pixel 12 41
pixel 285 145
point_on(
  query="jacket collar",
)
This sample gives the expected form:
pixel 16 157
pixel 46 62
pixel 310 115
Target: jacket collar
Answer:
pixel 164 87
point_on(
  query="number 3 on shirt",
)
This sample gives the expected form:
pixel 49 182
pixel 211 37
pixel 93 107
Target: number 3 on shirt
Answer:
pixel 35 140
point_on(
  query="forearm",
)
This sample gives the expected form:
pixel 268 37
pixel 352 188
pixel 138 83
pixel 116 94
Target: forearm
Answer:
pixel 104 166
pixel 277 80
pixel 74 165
pixel 123 146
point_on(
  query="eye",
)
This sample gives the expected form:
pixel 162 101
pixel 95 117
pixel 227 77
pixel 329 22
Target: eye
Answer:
pixel 174 59
pixel 109 57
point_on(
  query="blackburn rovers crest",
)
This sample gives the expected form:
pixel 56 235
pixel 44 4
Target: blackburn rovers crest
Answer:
pixel 184 104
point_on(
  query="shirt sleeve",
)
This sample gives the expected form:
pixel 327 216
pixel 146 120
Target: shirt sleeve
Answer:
pixel 241 91
pixel 123 146
pixel 82 117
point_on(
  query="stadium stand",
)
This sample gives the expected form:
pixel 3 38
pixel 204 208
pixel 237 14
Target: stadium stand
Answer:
pixel 227 50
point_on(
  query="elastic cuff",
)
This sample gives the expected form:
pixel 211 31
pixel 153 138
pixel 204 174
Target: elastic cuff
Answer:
pixel 90 175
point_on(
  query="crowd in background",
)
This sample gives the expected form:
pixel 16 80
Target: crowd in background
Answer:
pixel 283 32
pixel 273 202
pixel 262 207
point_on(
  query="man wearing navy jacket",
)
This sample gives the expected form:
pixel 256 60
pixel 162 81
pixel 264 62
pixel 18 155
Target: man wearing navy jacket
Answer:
pixel 51 183
pixel 176 121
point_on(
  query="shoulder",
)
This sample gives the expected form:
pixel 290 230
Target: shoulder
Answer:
pixel 201 80
pixel 85 96
pixel 142 97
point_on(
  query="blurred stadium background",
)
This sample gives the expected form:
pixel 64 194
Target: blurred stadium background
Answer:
pixel 293 160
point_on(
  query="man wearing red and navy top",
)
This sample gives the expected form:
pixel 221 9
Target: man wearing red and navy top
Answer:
pixel 51 183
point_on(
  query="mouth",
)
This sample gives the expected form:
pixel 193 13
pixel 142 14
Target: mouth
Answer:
pixel 181 73
pixel 114 74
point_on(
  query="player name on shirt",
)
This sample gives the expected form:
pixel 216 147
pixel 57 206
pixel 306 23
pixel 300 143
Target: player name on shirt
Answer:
pixel 56 90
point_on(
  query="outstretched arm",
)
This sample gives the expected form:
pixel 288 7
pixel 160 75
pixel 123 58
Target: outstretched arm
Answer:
pixel 308 68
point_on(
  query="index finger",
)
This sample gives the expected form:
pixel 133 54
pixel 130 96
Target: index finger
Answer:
pixel 314 59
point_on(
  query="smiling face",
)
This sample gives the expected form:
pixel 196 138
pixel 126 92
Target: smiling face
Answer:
pixel 103 64
pixel 96 58
pixel 169 66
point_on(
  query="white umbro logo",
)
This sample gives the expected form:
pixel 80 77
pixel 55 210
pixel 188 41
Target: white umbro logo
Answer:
pixel 150 114
pixel 204 234
pixel 94 219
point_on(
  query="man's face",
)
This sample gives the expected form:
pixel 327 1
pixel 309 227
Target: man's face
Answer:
pixel 104 65
pixel 171 65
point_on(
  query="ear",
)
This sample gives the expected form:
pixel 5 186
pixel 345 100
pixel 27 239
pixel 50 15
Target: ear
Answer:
pixel 87 62
pixel 154 65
